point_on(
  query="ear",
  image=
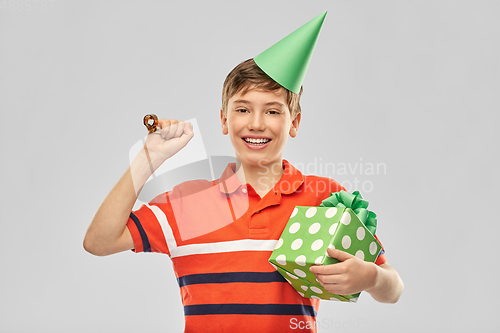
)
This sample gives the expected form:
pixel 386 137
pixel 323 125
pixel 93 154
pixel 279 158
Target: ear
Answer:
pixel 223 121
pixel 294 127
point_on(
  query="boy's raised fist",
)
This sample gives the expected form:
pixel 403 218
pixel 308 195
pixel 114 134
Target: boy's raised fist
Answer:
pixel 171 136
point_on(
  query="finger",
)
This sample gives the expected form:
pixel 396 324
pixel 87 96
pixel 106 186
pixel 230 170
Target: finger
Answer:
pixel 171 129
pixel 179 130
pixel 336 289
pixel 317 269
pixel 329 278
pixel 338 268
pixel 163 127
pixel 189 129
pixel 163 123
pixel 339 255
pixel 187 135
pixel 336 284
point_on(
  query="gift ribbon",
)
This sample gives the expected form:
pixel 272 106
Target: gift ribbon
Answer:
pixel 355 202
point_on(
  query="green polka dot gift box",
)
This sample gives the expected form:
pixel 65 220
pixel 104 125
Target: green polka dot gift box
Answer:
pixel 340 222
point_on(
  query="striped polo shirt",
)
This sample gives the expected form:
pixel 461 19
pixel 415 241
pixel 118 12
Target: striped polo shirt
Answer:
pixel 219 235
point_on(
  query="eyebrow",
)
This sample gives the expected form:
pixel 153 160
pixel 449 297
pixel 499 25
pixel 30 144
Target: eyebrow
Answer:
pixel 244 101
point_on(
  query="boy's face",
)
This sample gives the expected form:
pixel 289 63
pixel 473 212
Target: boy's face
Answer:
pixel 258 124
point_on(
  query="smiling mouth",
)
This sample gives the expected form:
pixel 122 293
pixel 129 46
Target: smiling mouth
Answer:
pixel 256 142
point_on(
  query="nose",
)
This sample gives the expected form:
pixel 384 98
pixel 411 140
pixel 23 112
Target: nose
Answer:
pixel 256 122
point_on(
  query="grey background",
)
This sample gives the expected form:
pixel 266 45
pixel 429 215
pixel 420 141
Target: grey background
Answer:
pixel 412 85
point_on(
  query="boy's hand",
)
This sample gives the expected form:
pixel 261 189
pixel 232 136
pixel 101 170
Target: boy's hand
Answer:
pixel 351 275
pixel 170 138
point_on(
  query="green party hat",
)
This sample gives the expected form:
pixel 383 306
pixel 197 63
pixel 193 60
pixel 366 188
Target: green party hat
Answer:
pixel 286 61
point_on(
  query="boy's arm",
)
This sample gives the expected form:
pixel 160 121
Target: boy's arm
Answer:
pixel 388 285
pixel 107 233
pixel 353 275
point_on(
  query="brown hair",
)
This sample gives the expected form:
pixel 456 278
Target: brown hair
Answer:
pixel 247 76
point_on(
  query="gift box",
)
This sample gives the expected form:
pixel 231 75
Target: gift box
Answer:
pixel 341 222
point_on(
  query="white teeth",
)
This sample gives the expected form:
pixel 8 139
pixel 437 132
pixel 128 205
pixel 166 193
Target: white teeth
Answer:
pixel 256 141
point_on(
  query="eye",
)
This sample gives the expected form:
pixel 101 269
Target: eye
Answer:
pixel 273 112
pixel 241 110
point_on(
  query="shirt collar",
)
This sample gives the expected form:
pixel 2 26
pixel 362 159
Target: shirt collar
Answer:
pixel 290 181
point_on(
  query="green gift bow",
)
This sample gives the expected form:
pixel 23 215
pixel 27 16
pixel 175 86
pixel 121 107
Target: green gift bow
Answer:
pixel 356 202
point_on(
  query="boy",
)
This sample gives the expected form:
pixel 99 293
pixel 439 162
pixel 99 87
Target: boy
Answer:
pixel 220 234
